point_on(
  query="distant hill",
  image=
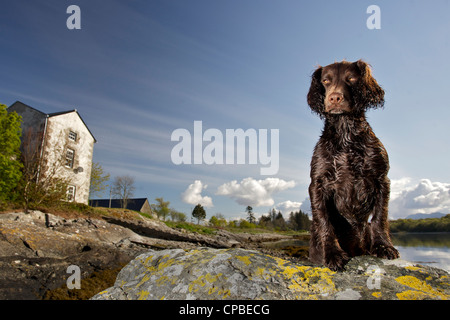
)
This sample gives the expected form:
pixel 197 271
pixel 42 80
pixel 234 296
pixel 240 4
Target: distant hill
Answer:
pixel 425 215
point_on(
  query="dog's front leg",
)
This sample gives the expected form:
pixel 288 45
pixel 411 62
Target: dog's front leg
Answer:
pixel 382 245
pixel 324 244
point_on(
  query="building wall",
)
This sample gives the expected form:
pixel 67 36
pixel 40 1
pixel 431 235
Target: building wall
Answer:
pixel 33 126
pixel 57 143
pixel 146 208
pixel 51 132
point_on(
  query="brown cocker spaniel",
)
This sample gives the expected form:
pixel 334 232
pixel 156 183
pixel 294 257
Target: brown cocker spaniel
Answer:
pixel 349 188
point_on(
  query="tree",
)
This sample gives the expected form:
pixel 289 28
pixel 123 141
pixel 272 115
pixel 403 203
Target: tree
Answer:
pixel 273 214
pixel 218 220
pixel 265 221
pixel 250 216
pixel 244 224
pixel 199 213
pixel 161 208
pixel 123 188
pixel 299 220
pixel 177 215
pixel 98 180
pixel 279 222
pixel 10 165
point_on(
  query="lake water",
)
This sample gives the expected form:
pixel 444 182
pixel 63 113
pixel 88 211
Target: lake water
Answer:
pixel 432 249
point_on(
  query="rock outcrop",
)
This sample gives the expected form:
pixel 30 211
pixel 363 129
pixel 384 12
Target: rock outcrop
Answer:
pixel 236 273
pixel 36 249
pixel 158 262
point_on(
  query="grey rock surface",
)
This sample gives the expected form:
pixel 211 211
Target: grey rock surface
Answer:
pixel 236 273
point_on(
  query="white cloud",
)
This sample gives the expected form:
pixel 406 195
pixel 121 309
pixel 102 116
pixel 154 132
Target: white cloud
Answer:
pixel 193 196
pixel 409 197
pixel 288 206
pixel 256 193
pixel 399 186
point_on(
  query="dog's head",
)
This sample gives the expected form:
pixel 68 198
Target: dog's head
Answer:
pixel 344 88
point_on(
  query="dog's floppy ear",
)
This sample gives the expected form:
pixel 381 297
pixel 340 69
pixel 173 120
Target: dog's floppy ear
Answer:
pixel 372 95
pixel 316 94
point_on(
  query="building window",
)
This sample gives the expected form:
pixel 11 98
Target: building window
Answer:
pixel 71 193
pixel 70 155
pixel 72 136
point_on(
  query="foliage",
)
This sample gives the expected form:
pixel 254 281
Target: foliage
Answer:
pixel 421 225
pixel 244 224
pixel 10 165
pixel 233 224
pixel 98 180
pixel 161 208
pixel 177 215
pixel 218 221
pixel 299 221
pixel 273 220
pixel 199 213
pixel 250 216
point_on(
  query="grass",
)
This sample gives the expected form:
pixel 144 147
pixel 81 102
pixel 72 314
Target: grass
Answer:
pixel 72 210
pixel 191 227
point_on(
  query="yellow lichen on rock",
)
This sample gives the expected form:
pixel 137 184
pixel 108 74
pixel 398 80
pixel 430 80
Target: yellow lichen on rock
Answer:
pixel 164 280
pixel 164 264
pixel 376 294
pixel 143 295
pixel 422 289
pixel 244 259
pixel 413 268
pixel 143 280
pixel 306 279
pixel 203 280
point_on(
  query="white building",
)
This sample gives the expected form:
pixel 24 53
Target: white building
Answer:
pixel 64 143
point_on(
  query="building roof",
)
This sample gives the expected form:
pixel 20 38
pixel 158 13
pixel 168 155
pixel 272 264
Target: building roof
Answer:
pixel 135 204
pixel 54 114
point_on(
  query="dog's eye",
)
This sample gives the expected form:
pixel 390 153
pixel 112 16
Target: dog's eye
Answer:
pixel 325 81
pixel 351 79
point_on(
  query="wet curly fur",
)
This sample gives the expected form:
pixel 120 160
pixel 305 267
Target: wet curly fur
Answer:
pixel 349 183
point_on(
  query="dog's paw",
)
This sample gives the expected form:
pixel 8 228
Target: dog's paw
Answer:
pixel 385 251
pixel 336 260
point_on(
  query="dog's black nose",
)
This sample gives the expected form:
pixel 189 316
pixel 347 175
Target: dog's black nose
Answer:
pixel 336 97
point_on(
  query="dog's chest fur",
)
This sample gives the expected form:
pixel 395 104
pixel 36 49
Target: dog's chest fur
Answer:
pixel 351 162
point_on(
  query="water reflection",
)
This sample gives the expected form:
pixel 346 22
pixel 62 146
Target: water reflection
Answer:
pixel 429 239
pixel 431 249
pixel 433 257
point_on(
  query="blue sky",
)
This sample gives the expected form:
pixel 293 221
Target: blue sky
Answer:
pixel 138 70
